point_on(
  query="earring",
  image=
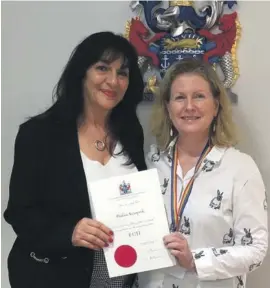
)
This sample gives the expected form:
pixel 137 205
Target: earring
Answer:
pixel 214 127
pixel 171 132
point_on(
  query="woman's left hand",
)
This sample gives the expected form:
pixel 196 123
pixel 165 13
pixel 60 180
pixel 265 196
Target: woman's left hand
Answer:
pixel 179 248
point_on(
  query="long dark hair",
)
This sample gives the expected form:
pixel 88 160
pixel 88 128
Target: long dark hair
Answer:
pixel 122 124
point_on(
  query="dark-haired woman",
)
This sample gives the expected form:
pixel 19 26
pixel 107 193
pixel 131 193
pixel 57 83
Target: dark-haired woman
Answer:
pixel 91 132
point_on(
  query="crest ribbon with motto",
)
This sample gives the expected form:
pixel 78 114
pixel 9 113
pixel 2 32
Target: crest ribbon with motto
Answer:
pixel 167 31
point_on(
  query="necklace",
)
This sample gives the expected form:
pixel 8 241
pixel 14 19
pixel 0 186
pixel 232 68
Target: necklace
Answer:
pixel 100 145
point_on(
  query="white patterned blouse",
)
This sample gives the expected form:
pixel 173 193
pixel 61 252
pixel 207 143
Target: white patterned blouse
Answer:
pixel 224 221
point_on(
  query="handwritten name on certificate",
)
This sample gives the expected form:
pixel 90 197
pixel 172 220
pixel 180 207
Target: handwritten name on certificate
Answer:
pixel 132 206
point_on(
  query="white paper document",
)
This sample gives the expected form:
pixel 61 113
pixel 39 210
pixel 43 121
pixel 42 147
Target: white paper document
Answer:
pixel 132 206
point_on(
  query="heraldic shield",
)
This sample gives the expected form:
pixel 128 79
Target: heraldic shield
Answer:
pixel 167 31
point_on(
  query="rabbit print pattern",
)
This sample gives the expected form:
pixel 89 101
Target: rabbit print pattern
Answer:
pixel 155 152
pixel 229 238
pixel 240 282
pixel 199 255
pixel 169 158
pixel 164 186
pixel 218 252
pixel 185 227
pixel 255 265
pixel 208 221
pixel 247 239
pixel 216 202
pixel 208 165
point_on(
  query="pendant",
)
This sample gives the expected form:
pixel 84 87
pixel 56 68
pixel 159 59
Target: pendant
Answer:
pixel 100 145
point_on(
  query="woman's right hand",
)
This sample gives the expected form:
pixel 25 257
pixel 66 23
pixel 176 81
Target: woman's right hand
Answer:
pixel 91 234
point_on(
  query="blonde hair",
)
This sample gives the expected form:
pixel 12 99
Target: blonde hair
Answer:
pixel 225 129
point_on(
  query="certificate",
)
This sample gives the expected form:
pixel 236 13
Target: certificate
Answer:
pixel 132 206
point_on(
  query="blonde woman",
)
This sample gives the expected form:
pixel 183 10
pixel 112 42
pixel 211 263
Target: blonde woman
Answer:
pixel 214 194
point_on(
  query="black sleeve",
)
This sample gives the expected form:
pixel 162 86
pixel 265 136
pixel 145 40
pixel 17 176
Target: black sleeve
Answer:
pixel 32 221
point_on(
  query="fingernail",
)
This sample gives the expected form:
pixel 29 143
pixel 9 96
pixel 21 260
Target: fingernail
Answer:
pixel 111 232
pixel 106 244
pixel 110 240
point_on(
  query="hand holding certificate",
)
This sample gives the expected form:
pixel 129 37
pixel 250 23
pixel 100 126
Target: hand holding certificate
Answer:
pixel 132 206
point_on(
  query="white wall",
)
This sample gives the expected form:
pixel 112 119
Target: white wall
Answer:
pixel 37 39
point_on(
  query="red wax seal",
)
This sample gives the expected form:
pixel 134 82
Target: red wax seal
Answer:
pixel 125 256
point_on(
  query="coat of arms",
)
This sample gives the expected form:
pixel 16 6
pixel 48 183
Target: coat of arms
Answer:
pixel 124 188
pixel 162 35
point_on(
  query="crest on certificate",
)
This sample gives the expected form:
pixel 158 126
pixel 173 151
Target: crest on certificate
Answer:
pixel 124 188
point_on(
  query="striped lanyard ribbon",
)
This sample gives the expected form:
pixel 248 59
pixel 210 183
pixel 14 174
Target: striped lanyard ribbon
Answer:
pixel 177 212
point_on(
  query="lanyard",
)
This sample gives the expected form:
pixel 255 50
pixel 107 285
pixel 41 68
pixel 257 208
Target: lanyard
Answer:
pixel 177 212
